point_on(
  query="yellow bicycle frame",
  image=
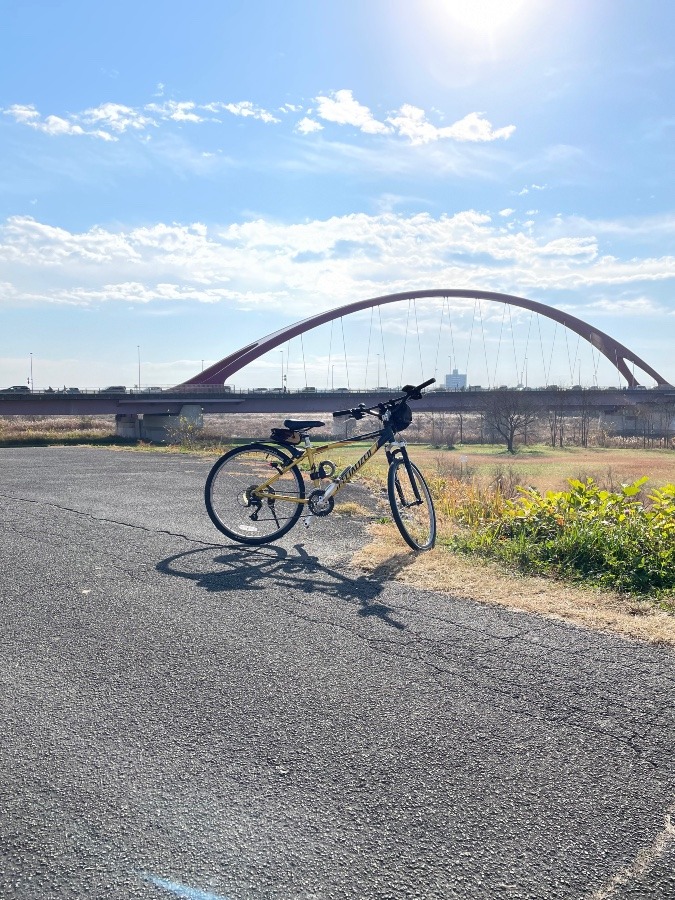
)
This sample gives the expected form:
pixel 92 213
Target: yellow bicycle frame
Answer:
pixel 310 455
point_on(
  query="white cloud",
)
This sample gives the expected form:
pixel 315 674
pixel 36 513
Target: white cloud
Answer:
pixel 57 125
pixel 26 115
pixel 531 187
pixel 624 306
pixel 307 126
pixel 343 109
pixel 506 212
pixel 266 263
pixel 248 110
pixel 475 127
pixel 411 122
pixel 178 112
pixel 116 117
pixel 53 125
pixel 110 120
pixel 634 227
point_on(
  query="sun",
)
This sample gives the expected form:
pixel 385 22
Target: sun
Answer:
pixel 482 18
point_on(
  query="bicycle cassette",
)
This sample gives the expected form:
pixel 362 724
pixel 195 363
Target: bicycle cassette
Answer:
pixel 318 505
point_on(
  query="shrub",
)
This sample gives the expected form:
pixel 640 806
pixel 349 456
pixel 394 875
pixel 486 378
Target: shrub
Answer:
pixel 610 539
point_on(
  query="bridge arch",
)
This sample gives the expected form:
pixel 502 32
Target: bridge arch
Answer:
pixel 619 355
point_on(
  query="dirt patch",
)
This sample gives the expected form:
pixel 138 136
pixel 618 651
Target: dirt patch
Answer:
pixel 484 582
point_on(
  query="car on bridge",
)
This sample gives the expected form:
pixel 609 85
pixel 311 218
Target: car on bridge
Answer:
pixel 114 389
pixel 16 389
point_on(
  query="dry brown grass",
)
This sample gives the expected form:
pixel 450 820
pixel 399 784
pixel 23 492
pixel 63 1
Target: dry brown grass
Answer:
pixel 544 468
pixel 34 430
pixel 351 509
pixel 483 582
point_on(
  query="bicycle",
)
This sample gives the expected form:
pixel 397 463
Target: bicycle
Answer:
pixel 253 505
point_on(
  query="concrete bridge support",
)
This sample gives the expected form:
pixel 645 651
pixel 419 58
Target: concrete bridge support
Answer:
pixel 128 425
pixel 160 428
pixel 633 422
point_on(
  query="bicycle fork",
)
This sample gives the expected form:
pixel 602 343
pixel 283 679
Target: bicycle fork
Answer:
pixel 391 456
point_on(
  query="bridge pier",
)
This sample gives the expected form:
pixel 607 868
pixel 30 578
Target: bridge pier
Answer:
pixel 128 425
pixel 637 423
pixel 159 428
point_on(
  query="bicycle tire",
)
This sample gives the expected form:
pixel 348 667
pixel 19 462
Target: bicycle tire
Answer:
pixel 415 519
pixel 227 494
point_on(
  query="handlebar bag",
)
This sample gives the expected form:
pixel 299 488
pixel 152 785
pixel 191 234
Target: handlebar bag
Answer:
pixel 401 417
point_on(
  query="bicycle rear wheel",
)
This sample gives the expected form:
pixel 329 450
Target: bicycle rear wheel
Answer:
pixel 235 508
pixel 411 505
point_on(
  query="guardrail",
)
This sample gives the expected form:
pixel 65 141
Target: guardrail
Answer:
pixel 207 389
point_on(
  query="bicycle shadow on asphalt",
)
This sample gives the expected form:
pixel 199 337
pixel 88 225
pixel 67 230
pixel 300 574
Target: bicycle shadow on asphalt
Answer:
pixel 253 568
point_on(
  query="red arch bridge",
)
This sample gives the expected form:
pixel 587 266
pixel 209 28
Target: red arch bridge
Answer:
pixel 453 322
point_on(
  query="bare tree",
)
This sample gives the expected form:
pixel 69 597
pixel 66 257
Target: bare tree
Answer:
pixel 556 425
pixel 508 413
pixel 585 414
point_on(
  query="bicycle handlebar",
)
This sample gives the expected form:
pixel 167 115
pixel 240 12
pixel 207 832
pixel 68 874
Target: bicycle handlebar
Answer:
pixel 410 393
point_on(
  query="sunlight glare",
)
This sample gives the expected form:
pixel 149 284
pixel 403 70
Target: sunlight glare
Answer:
pixel 482 19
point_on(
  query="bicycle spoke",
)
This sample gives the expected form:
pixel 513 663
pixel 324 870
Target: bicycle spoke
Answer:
pixel 233 505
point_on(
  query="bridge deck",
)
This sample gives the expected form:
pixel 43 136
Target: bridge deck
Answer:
pixel 213 400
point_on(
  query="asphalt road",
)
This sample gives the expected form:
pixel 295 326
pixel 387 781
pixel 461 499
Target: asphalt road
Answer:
pixel 183 717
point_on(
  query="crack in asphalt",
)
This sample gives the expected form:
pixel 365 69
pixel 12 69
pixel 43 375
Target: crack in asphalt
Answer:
pixel 645 859
pixel 91 516
pixel 398 649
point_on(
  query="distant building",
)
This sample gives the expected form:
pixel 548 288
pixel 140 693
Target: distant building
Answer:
pixel 456 381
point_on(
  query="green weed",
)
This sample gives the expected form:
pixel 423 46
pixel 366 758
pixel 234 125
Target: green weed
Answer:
pixel 612 539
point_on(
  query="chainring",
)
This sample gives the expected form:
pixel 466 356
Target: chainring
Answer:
pixel 318 506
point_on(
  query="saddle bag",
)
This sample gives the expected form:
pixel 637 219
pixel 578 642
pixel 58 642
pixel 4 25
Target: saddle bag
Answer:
pixel 285 436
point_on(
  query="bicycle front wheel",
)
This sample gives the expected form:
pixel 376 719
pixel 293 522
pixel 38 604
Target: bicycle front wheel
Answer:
pixel 411 505
pixel 241 507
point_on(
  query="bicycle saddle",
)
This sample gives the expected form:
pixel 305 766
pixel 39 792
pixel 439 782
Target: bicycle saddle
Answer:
pixel 302 424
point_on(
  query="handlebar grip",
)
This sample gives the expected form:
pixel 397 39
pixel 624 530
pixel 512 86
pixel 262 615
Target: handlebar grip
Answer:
pixel 413 393
pixel 342 412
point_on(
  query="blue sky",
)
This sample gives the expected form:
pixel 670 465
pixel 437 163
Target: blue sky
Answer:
pixel 184 178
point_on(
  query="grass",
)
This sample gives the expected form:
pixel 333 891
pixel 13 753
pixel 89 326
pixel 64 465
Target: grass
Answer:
pixel 620 539
pixel 43 431
pixel 546 468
